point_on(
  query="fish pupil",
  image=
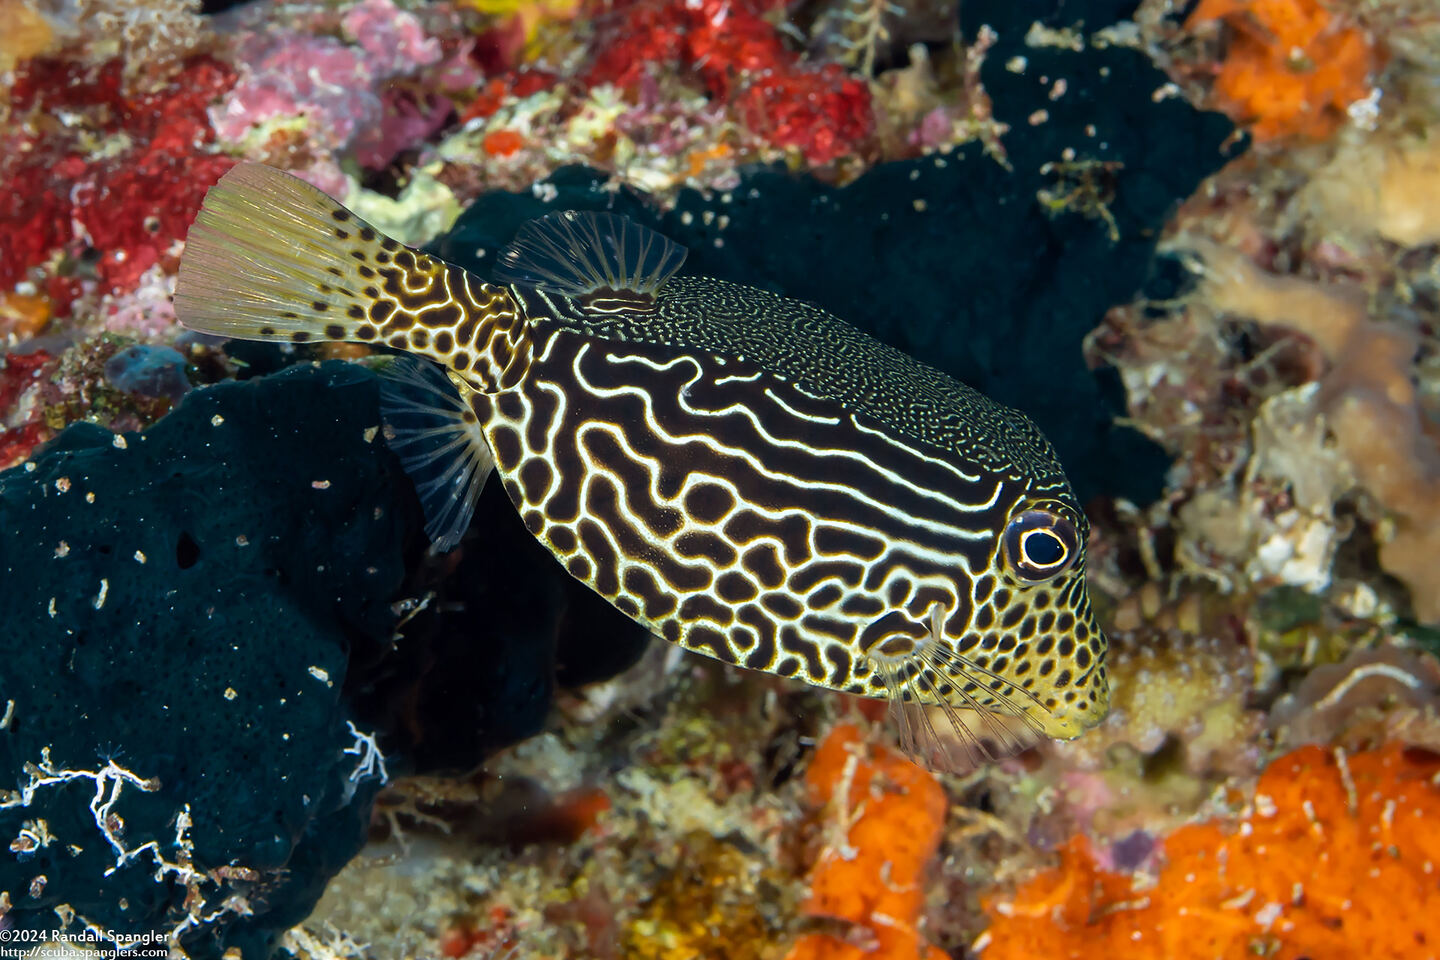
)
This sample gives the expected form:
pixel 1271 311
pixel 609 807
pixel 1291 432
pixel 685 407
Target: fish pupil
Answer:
pixel 1040 544
pixel 1043 548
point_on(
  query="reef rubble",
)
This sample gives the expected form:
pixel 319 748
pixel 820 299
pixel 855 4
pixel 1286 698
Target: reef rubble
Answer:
pixel 1228 325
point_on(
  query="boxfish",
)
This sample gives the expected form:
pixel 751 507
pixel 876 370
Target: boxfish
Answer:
pixel 745 475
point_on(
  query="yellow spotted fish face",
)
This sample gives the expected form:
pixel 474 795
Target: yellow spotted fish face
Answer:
pixel 746 475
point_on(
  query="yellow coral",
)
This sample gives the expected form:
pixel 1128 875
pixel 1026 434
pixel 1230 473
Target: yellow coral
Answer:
pixel 24 33
pixel 529 15
pixel 716 902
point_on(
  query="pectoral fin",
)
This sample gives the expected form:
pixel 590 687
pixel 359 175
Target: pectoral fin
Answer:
pixel 430 426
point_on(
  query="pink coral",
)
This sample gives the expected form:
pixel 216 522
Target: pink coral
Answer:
pixel 147 312
pixel 342 89
pixel 404 120
pixel 292 76
pixel 393 38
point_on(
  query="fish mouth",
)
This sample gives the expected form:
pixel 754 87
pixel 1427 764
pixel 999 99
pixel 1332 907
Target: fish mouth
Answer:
pixel 1066 722
pixel 952 713
pixel 1063 727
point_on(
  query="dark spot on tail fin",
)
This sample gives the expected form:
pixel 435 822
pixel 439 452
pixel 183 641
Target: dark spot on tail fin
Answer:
pixel 610 259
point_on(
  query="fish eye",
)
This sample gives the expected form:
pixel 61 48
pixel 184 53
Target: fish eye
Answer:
pixel 1040 544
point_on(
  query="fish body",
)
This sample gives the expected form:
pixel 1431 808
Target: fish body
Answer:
pixel 746 475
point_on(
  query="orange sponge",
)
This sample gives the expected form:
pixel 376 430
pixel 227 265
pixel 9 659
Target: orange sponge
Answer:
pixel 1292 66
pixel 887 814
pixel 1335 858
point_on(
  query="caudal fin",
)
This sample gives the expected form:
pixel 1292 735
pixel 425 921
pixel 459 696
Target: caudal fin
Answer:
pixel 270 257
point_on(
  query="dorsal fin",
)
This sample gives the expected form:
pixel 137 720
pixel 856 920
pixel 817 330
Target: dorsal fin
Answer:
pixel 600 257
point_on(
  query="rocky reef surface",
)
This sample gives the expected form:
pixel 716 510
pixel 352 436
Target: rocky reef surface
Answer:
pixel 1198 243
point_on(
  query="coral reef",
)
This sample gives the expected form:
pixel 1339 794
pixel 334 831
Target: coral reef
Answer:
pixel 367 83
pixel 1261 567
pixel 1382 188
pixel 22 429
pixel 149 371
pixel 1290 377
pixel 101 381
pixel 173 620
pixel 1291 67
pixel 1333 856
pixel 663 835
pixel 1185 689
pixel 410 113
pixel 271 586
pixel 1367 398
pixel 889 239
pixel 1180 725
pixel 26 31
pixel 111 191
pixel 821 113
pixel 1382 694
pixel 880 830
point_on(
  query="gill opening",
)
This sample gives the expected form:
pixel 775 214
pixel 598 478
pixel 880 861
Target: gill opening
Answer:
pixel 977 732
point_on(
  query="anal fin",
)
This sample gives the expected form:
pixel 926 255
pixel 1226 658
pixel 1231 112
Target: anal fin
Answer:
pixel 431 427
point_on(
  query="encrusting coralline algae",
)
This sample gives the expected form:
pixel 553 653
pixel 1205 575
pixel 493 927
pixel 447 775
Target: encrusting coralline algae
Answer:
pixel 991 193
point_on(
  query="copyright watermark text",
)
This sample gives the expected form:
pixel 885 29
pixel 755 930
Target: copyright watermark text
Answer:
pixel 45 944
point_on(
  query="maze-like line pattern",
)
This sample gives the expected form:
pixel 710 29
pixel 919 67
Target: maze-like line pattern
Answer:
pixel 827 358
pixel 740 517
pixel 413 301
pixel 445 312
pixel 745 474
pixel 272 258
